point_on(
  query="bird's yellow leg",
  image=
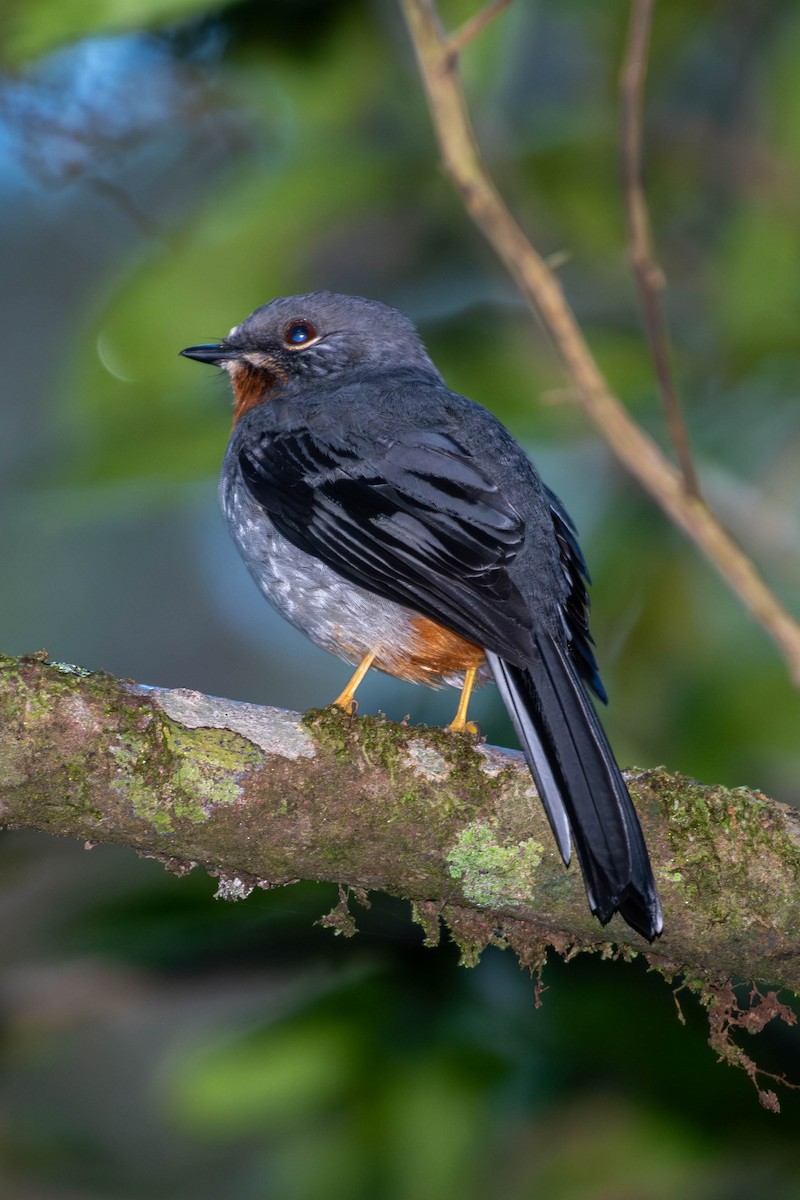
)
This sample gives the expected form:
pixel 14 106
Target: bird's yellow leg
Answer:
pixel 459 723
pixel 346 699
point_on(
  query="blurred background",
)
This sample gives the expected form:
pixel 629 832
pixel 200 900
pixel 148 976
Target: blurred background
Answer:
pixel 166 166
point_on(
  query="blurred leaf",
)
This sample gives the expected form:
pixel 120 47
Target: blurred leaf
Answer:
pixel 263 1081
pixel 246 244
pixel 439 1122
pixel 757 290
pixel 34 27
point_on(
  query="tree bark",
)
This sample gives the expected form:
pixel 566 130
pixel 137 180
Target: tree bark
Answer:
pixel 263 797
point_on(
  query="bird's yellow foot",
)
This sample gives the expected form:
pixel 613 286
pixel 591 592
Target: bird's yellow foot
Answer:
pixel 463 726
pixel 346 699
pixel 459 723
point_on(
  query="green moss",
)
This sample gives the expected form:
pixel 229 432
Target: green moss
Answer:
pixel 201 768
pixel 29 703
pixel 163 772
pixel 426 914
pixel 494 875
pixel 146 801
pixel 732 850
pixel 372 738
pixel 212 762
pixel 379 742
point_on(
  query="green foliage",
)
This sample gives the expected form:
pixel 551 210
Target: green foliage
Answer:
pixel 264 1081
pixel 34 27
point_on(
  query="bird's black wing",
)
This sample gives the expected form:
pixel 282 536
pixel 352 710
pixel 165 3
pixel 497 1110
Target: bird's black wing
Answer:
pixel 575 607
pixel 418 521
pixel 415 520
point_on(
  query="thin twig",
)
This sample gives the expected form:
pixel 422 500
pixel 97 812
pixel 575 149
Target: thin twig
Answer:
pixel 542 291
pixel 470 29
pixel 647 273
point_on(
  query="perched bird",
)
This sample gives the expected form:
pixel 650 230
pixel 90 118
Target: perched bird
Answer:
pixel 399 525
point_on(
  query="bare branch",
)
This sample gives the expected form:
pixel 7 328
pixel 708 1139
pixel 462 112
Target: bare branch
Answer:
pixel 543 293
pixel 647 273
pixel 475 25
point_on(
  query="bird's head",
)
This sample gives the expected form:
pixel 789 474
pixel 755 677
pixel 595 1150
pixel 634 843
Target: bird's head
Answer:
pixel 296 340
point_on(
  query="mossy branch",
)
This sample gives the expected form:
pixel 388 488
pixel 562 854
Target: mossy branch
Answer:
pixel 263 797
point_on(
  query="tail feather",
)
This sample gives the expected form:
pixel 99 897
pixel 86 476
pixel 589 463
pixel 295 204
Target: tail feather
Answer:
pixel 580 784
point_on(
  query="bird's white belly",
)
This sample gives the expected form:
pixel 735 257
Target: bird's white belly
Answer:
pixel 339 616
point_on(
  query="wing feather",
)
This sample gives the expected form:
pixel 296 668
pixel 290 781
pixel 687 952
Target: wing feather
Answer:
pixel 420 523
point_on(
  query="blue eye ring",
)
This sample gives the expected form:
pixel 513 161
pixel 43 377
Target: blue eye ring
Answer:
pixel 299 333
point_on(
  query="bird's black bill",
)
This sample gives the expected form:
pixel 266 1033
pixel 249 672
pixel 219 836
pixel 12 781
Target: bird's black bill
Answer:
pixel 213 353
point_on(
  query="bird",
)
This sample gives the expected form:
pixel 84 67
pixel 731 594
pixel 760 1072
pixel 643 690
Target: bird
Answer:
pixel 400 526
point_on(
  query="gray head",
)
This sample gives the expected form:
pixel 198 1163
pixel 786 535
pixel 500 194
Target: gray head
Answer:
pixel 298 338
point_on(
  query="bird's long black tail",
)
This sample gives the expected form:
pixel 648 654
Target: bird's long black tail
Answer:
pixel 580 784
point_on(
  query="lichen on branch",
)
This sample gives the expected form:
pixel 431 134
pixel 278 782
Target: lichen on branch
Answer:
pixel 266 797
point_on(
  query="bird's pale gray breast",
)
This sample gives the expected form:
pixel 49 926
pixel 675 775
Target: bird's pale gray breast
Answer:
pixel 341 617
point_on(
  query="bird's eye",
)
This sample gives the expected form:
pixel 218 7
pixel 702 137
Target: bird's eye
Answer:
pixel 299 332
